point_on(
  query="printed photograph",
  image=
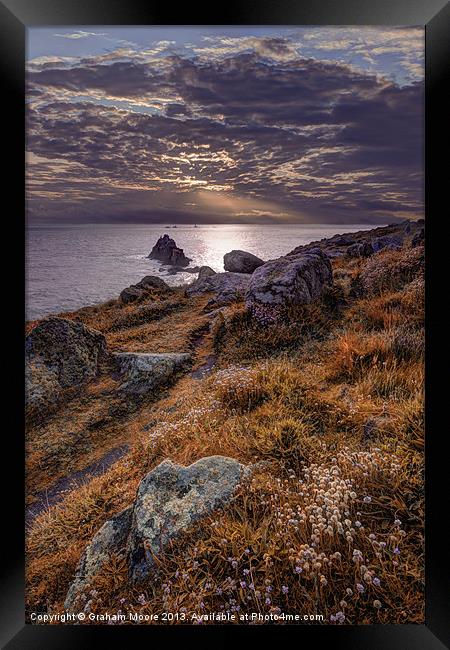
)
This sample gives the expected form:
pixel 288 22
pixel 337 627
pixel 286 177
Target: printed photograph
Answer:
pixel 224 336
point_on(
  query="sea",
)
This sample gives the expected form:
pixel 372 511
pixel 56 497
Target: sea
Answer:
pixel 72 266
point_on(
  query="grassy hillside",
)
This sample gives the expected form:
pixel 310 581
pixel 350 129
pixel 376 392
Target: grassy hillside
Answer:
pixel 328 400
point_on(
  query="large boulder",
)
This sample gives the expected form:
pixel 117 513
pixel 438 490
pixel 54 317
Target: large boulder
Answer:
pixel 138 291
pixel 165 250
pixel 292 279
pixel 143 373
pixel 59 354
pixel 225 287
pixel 241 262
pixel 205 272
pixel 110 540
pixel 171 498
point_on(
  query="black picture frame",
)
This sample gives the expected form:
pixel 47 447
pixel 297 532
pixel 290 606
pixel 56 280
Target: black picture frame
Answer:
pixel 15 17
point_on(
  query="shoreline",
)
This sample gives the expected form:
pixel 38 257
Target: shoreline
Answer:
pixel 189 277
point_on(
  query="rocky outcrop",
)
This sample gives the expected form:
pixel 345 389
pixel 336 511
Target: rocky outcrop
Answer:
pixel 293 279
pixel 170 499
pixel 144 373
pixel 387 242
pixel 110 540
pixel 165 250
pixel 241 262
pixel 359 244
pixel 360 249
pixel 138 291
pixel 59 354
pixel 225 287
pixel 418 239
pixel 205 272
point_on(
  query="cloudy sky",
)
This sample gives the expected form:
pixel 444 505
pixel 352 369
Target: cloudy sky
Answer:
pixel 218 125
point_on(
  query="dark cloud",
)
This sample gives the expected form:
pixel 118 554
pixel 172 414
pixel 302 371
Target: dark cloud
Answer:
pixel 307 137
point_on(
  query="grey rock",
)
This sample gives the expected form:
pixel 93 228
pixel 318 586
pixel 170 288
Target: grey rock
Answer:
pixel 131 294
pixel 153 282
pixel 110 539
pixel 292 279
pixel 171 498
pixel 387 242
pixel 59 354
pixel 168 252
pixel 241 262
pixel 137 291
pixel 226 287
pixel 360 249
pixel 143 373
pixel 341 240
pixel 205 272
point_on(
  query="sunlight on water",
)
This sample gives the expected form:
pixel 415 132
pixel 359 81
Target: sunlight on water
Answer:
pixel 73 266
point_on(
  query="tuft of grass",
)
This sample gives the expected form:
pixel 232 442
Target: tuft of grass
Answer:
pixel 390 271
pixel 240 336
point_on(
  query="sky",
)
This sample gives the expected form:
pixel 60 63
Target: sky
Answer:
pixel 225 124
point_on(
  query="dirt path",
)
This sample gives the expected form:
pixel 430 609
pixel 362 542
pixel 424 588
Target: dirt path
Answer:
pixel 50 497
pixel 202 349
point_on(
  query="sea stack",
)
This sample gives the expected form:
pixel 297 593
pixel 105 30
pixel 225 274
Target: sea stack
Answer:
pixel 165 250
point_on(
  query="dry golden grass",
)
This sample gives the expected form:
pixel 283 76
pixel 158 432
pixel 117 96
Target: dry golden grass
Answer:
pixel 329 402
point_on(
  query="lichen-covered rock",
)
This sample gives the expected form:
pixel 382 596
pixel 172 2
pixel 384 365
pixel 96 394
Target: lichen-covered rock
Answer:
pixel 165 250
pixel 226 287
pixel 171 498
pixel 139 290
pixel 292 279
pixel 42 389
pixel 143 373
pixel 241 262
pixel 66 347
pixel 205 272
pixel 59 354
pixel 110 540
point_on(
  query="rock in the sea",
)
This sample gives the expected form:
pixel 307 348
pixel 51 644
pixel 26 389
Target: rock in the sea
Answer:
pixel 226 287
pixel 292 279
pixel 165 250
pixel 171 498
pixel 137 291
pixel 205 272
pixel 143 373
pixel 241 262
pixel 110 540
